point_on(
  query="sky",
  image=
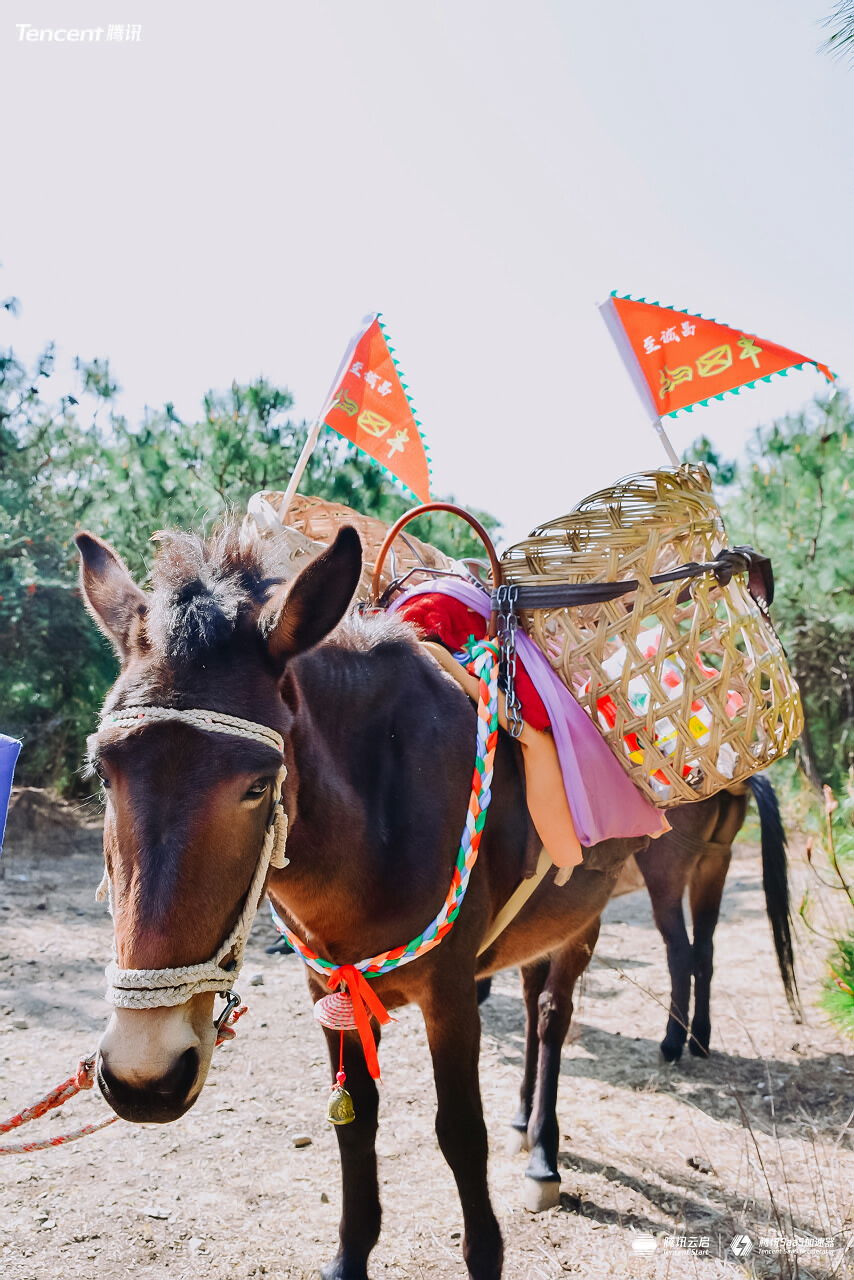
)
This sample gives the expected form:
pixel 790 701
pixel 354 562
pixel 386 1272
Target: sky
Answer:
pixel 229 194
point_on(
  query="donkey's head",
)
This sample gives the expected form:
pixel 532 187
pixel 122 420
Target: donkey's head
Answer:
pixel 188 804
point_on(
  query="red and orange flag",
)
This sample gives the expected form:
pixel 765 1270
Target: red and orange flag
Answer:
pixel 369 405
pixel 677 360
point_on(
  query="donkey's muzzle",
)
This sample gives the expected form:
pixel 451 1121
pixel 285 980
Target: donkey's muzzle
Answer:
pixel 153 1101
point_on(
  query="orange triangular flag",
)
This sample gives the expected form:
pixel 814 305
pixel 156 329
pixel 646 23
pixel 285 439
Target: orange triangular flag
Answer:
pixel 368 404
pixel 677 360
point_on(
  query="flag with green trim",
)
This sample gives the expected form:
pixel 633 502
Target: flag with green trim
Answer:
pixel 369 405
pixel 677 360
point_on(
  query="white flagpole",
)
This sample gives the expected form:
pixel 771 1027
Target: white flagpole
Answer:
pixel 609 315
pixel 665 440
pixel 302 463
pixel 316 427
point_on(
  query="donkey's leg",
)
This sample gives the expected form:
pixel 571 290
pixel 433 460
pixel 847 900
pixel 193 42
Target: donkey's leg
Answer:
pixel 534 977
pixel 359 1228
pixel 665 868
pixel 453 1030
pixel 706 890
pixel 554 1013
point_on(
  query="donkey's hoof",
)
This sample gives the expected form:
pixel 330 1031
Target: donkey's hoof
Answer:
pixel 670 1051
pixel 698 1048
pixel 517 1142
pixel 338 1269
pixel 540 1196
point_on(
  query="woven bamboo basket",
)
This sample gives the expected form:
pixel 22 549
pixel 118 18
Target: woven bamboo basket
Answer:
pixel 318 521
pixel 687 681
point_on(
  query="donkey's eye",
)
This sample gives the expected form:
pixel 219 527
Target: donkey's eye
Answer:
pixel 102 777
pixel 259 788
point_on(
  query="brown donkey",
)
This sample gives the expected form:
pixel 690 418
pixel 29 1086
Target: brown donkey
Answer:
pixel 694 856
pixel 378 745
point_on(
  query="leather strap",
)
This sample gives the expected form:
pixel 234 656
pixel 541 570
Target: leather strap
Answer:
pixel 730 560
pixel 518 898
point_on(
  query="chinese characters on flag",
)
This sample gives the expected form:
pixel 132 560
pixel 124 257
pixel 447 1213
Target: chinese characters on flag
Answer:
pixel 684 360
pixel 369 405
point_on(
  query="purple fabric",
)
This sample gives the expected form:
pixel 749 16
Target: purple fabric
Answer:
pixel 604 803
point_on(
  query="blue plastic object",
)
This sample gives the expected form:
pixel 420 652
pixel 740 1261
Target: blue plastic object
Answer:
pixel 9 751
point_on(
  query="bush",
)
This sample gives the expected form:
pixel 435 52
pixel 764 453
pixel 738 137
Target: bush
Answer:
pixel 792 499
pixel 57 476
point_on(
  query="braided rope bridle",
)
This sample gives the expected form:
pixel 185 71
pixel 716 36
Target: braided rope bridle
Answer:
pixel 157 988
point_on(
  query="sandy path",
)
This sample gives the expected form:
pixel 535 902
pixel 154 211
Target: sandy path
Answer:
pixel 225 1192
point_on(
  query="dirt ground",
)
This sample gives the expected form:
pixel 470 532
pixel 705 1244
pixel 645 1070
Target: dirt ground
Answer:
pixel 653 1155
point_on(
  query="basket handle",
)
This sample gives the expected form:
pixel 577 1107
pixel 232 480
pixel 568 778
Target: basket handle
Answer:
pixel 494 562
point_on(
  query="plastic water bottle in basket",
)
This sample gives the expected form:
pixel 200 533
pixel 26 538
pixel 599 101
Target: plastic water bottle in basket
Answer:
pixel 661 632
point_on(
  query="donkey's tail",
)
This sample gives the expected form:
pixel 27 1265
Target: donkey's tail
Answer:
pixel 776 885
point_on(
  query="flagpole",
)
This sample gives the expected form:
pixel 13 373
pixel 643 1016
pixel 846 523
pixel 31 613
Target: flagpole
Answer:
pixel 302 463
pixel 666 444
pixel 639 382
pixel 316 427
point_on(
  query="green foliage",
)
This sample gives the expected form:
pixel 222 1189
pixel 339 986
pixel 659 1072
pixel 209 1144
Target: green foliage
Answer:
pixel 124 483
pixel 841 23
pixel 167 472
pixel 793 500
pixel 838 994
pixel 55 667
pixel 721 471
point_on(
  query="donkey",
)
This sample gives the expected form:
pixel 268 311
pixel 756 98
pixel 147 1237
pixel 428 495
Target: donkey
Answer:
pixel 696 855
pixel 377 745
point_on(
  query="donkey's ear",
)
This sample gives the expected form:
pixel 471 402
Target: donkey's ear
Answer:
pixel 303 612
pixel 112 597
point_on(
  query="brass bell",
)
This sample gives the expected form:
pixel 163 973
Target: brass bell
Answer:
pixel 339 1109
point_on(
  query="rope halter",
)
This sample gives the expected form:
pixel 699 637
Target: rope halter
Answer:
pixel 157 988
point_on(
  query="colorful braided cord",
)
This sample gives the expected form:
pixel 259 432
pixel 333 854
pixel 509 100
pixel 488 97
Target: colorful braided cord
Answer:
pixel 484 664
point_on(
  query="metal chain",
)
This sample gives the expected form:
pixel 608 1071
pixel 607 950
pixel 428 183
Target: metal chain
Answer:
pixel 508 623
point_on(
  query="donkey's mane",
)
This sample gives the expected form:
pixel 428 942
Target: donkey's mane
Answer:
pixel 204 590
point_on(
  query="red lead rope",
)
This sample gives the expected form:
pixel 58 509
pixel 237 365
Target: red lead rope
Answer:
pixel 84 1078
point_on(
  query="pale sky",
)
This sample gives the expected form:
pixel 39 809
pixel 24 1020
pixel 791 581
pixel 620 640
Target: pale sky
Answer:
pixel 229 195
